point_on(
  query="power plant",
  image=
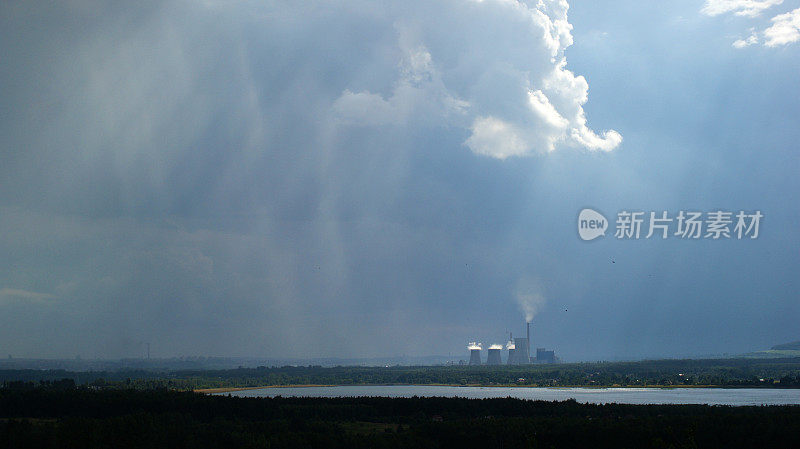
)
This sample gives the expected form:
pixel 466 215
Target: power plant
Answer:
pixel 545 356
pixel 494 355
pixel 511 350
pixel 474 353
pixel 519 352
pixel 522 349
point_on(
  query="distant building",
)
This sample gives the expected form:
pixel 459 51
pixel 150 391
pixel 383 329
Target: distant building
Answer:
pixel 494 356
pixel 474 356
pixel 545 356
pixel 512 356
pixel 520 354
pixel 522 349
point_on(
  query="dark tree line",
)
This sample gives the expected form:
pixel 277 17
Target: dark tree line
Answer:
pixel 49 416
pixel 771 373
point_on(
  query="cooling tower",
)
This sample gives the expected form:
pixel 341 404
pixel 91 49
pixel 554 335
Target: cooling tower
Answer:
pixel 474 356
pixel 494 357
pixel 512 357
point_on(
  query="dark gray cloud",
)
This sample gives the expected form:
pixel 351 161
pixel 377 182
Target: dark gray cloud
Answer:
pixel 278 179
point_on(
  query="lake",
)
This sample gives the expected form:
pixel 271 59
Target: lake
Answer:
pixel 711 396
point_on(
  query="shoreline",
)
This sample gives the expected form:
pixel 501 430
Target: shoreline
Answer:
pixel 229 389
pixel 561 387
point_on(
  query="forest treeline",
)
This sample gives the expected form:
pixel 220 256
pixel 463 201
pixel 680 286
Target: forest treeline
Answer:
pixel 739 372
pixel 56 414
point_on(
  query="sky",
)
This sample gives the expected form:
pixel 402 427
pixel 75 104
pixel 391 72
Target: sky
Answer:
pixel 383 178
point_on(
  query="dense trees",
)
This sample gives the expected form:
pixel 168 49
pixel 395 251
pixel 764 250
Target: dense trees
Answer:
pixel 773 373
pixel 136 408
pixel 87 418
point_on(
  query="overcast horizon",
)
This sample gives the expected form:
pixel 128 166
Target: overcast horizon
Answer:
pixel 363 179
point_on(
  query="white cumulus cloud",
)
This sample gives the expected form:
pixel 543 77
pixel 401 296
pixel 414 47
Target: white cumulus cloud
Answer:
pixel 494 137
pixel 418 88
pixel 497 70
pixel 785 29
pixel 749 8
pixel 741 43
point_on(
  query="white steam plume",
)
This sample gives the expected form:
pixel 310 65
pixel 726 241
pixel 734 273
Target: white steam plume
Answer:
pixel 496 347
pixel 530 297
pixel 474 345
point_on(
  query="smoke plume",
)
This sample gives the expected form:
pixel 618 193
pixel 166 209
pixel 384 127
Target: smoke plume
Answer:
pixel 529 294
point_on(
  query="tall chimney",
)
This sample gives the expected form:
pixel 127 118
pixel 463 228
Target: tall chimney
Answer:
pixel 529 340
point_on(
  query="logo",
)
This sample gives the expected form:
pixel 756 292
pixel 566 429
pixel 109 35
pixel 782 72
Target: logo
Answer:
pixel 591 224
pixel 686 225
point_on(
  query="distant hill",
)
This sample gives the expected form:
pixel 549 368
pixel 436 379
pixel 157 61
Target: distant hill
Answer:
pixel 778 351
pixel 795 345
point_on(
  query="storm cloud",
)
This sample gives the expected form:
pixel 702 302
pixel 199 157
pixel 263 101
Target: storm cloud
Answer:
pixel 305 179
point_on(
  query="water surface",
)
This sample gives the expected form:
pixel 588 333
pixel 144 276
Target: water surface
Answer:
pixel 711 396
